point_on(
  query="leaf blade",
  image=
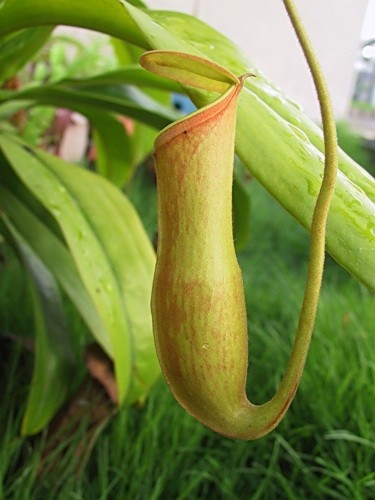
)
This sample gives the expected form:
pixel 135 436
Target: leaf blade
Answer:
pixel 80 237
pixel 241 213
pixel 16 50
pixel 54 355
pixel 122 100
pixel 112 146
pixel 277 154
pixel 122 286
pixel 55 256
pixel 98 15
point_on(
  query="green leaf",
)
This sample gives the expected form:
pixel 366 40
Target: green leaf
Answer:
pixel 54 355
pixel 277 152
pixel 142 193
pixel 106 16
pixel 126 53
pixel 132 74
pixel 11 108
pixel 111 251
pixel 112 143
pixel 142 143
pixel 17 49
pixel 142 135
pixel 241 214
pixel 138 3
pixel 113 148
pixel 54 254
pixel 118 99
pixel 202 39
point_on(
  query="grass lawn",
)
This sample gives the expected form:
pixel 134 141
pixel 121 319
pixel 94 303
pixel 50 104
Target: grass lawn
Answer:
pixel 324 448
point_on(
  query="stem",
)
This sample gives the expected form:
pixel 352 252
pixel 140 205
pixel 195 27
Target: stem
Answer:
pixel 319 219
pixel 264 418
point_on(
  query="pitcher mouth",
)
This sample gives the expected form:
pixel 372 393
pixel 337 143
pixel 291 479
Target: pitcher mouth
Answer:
pixel 199 117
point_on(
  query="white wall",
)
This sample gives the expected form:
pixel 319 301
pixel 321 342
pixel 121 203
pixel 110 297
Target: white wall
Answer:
pixel 368 28
pixel 262 29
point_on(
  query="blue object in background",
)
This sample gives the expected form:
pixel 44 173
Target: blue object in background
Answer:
pixel 183 103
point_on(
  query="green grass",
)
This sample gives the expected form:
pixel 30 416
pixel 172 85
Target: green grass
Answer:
pixel 324 448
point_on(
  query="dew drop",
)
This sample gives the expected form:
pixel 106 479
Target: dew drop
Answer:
pixel 55 210
pixel 312 188
pixel 81 234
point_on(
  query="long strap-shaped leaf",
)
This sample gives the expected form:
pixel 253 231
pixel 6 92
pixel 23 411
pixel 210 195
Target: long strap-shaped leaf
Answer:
pixel 198 304
pixel 16 50
pixel 122 99
pixel 131 74
pixel 285 159
pixel 56 257
pixel 201 39
pixel 55 359
pixel 99 15
pixel 110 249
